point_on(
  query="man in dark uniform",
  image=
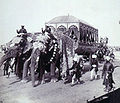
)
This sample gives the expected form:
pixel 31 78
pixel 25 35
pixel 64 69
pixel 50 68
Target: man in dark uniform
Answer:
pixel 76 71
pixel 43 31
pixel 108 69
pixel 22 30
pixel 48 29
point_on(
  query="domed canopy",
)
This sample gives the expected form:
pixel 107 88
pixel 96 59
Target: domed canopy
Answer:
pixel 66 19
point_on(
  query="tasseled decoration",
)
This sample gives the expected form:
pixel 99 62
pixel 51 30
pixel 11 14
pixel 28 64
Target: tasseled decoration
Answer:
pixel 55 46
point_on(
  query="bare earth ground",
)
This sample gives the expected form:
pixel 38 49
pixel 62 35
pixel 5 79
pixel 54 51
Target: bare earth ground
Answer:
pixel 14 91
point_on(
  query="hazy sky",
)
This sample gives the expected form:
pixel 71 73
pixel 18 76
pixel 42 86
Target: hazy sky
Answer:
pixel 102 14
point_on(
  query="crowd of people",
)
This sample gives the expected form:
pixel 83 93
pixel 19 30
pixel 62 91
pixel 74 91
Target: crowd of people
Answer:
pixel 47 57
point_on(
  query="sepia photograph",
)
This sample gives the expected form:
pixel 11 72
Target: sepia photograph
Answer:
pixel 59 51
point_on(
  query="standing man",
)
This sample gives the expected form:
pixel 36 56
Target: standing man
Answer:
pixel 94 67
pixel 7 66
pixel 108 69
pixel 22 30
pixel 76 72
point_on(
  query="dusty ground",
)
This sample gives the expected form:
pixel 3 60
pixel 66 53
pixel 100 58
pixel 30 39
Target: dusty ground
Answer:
pixel 12 90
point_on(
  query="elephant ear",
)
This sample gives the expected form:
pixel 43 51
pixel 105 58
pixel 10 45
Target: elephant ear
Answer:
pixel 16 40
pixel 27 47
pixel 11 53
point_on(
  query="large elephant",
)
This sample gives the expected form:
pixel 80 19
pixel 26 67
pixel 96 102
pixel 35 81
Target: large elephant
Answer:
pixel 46 48
pixel 17 51
pixel 36 44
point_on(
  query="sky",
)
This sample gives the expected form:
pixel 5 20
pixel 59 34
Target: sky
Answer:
pixel 101 14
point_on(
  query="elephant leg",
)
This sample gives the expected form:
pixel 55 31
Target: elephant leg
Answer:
pixel 17 66
pixel 58 65
pixel 34 56
pixel 4 69
pixel 20 67
pixel 15 63
pixel 4 72
pixel 43 79
pixel 41 74
pixel 59 77
pixel 25 69
pixel 59 74
pixel 33 62
pixel 52 71
pixel 16 69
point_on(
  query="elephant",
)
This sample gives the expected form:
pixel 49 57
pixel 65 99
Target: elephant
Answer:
pixel 38 44
pixel 15 50
pixel 44 48
pixel 30 53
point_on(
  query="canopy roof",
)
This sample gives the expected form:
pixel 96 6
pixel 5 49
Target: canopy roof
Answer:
pixel 66 19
